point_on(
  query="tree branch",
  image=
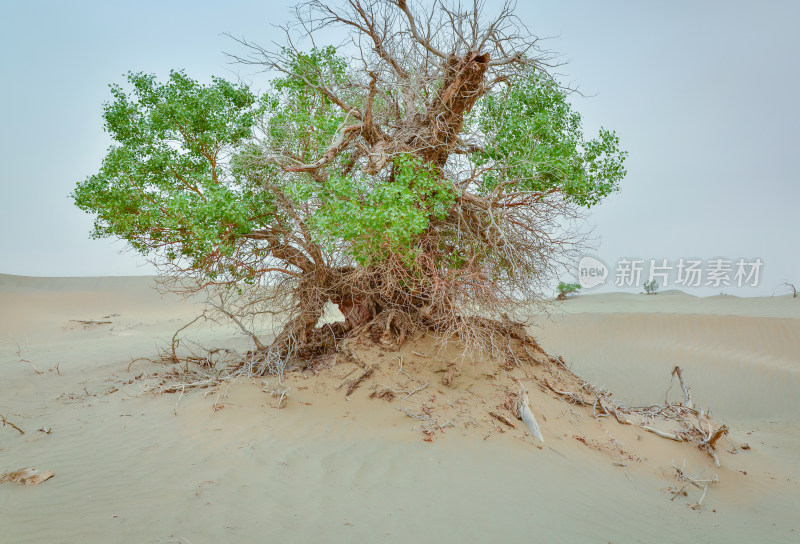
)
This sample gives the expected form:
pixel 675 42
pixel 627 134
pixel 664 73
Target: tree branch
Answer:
pixel 413 28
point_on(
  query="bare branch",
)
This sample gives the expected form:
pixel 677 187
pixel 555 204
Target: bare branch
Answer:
pixel 425 42
pixel 343 139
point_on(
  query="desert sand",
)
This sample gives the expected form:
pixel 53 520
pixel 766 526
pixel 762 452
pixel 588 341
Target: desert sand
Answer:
pixel 224 464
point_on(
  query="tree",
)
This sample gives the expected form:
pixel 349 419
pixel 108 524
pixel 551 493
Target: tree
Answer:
pixel 565 289
pixel 427 175
pixel 650 287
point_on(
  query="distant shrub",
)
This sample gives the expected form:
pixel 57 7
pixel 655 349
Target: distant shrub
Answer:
pixel 651 287
pixel 566 288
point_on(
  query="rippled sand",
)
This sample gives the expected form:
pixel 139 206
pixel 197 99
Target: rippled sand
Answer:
pixel 137 468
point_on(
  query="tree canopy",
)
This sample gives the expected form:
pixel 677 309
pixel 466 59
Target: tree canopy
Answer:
pixel 421 175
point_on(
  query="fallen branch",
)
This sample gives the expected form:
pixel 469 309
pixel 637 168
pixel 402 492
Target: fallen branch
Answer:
pixel 696 505
pixel 385 393
pixel 703 484
pixel 414 415
pixel 23 360
pixel 7 422
pixel 723 430
pixel 90 322
pixel 573 398
pixel 708 444
pixel 355 383
pixel 655 431
pixel 345 378
pixel 678 493
pixel 503 419
pixel 281 394
pixel 687 393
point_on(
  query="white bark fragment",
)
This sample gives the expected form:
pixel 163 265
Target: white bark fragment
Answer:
pixel 525 414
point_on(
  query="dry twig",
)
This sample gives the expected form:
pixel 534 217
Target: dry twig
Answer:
pixel 23 360
pixel 7 422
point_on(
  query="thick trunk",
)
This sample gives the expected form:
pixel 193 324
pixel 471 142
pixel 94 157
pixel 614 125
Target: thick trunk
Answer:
pixel 384 310
pixel 356 312
pixel 462 86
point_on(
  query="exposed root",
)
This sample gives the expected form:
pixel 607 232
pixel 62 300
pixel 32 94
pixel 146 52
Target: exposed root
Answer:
pixel 390 329
pixel 656 432
pixel 299 348
pixel 694 425
pixel 352 354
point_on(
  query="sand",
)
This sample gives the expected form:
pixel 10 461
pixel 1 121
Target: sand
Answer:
pixel 225 465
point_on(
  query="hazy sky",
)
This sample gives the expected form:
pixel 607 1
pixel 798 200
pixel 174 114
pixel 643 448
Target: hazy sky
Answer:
pixel 702 94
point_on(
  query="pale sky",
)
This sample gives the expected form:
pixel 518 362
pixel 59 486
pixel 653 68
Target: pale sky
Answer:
pixel 702 95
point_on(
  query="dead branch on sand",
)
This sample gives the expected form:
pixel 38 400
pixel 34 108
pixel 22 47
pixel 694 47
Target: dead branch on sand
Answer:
pixel 356 382
pixel 429 425
pixel 403 390
pixel 695 425
pixel 656 432
pixel 687 393
pixel 502 419
pixel 26 476
pixel 7 422
pixel 686 481
pixel 280 391
pixel 89 322
pixel 193 371
pixel 21 359
pixel 511 348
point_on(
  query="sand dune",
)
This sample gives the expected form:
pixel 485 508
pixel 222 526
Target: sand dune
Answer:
pixel 136 468
pixel 742 356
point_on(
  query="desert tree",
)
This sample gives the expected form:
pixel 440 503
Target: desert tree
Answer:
pixel 426 173
pixel 565 289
